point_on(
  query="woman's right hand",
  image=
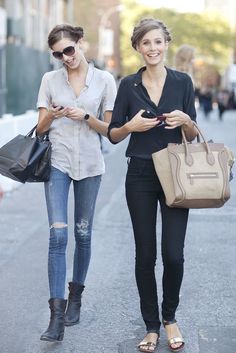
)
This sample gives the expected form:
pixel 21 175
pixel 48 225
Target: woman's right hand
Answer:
pixel 57 112
pixel 46 117
pixel 140 124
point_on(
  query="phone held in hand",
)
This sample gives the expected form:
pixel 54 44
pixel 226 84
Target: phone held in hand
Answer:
pixel 161 117
pixel 56 106
pixel 148 114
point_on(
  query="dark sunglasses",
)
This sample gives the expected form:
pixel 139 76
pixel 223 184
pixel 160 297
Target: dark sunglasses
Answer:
pixel 68 51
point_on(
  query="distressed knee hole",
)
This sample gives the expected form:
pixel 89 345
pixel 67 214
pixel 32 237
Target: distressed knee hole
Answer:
pixel 58 225
pixel 82 227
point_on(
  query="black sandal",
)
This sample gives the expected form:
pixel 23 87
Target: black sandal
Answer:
pixel 174 340
pixel 149 344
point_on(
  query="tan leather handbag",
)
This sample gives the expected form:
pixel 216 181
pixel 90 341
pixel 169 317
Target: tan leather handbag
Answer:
pixel 194 175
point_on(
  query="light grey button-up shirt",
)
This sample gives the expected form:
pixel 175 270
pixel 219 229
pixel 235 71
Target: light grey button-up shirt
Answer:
pixel 76 148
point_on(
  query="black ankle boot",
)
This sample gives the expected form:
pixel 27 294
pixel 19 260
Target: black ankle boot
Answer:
pixel 55 330
pixel 72 315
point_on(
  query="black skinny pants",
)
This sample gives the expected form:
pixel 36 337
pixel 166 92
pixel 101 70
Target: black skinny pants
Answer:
pixel 143 192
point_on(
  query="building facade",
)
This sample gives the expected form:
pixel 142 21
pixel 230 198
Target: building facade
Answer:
pixel 101 23
pixel 24 56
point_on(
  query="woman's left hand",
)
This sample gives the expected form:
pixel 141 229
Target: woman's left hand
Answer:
pixel 177 118
pixel 75 113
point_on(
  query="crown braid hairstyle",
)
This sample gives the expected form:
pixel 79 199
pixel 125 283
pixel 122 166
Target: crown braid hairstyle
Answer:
pixel 64 31
pixel 146 25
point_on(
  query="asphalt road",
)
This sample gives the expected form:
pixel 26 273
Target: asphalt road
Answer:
pixel 110 319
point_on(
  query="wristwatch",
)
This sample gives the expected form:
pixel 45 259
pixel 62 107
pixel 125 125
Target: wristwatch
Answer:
pixel 86 117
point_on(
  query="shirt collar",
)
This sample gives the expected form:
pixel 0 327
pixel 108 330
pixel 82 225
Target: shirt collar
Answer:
pixel 90 73
pixel 138 76
pixel 88 76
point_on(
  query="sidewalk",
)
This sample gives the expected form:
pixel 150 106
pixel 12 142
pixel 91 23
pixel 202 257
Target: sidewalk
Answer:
pixel 110 319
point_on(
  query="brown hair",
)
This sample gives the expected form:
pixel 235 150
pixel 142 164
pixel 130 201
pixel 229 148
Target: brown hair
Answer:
pixel 183 58
pixel 64 31
pixel 146 25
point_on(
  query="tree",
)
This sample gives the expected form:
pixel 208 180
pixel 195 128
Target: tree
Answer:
pixel 208 33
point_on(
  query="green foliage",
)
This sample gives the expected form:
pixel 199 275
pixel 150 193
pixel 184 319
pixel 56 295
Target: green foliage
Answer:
pixel 208 33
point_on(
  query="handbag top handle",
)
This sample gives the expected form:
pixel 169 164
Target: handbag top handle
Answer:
pixel 43 137
pixel 30 133
pixel 188 157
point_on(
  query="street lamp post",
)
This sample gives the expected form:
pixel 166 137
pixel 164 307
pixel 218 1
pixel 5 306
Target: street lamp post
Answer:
pixel 105 35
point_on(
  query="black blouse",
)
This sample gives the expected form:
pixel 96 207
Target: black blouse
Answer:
pixel 178 93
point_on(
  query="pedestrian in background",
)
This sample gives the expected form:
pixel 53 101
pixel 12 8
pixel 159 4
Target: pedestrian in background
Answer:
pixel 142 98
pixel 205 96
pixel 184 59
pixel 71 100
pixel 223 102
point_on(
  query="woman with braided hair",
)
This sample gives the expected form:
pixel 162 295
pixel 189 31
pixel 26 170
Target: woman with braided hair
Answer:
pixel 151 107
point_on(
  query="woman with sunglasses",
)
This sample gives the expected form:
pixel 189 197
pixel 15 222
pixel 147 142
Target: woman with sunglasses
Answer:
pixel 71 102
pixel 151 106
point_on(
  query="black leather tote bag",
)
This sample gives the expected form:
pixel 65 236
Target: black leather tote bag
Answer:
pixel 26 158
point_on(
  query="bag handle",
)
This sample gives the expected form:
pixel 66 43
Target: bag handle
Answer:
pixel 43 137
pixel 188 157
pixel 30 133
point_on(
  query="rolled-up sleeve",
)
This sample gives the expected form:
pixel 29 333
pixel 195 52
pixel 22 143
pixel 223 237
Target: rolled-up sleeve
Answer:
pixel 44 97
pixel 109 94
pixel 120 111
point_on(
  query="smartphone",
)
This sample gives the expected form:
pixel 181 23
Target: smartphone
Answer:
pixel 161 117
pixel 56 106
pixel 148 114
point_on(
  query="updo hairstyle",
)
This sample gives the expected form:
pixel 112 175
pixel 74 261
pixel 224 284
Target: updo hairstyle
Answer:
pixel 64 31
pixel 146 25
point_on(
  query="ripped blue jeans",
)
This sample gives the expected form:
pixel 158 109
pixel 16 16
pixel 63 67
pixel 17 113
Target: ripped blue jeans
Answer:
pixel 85 195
